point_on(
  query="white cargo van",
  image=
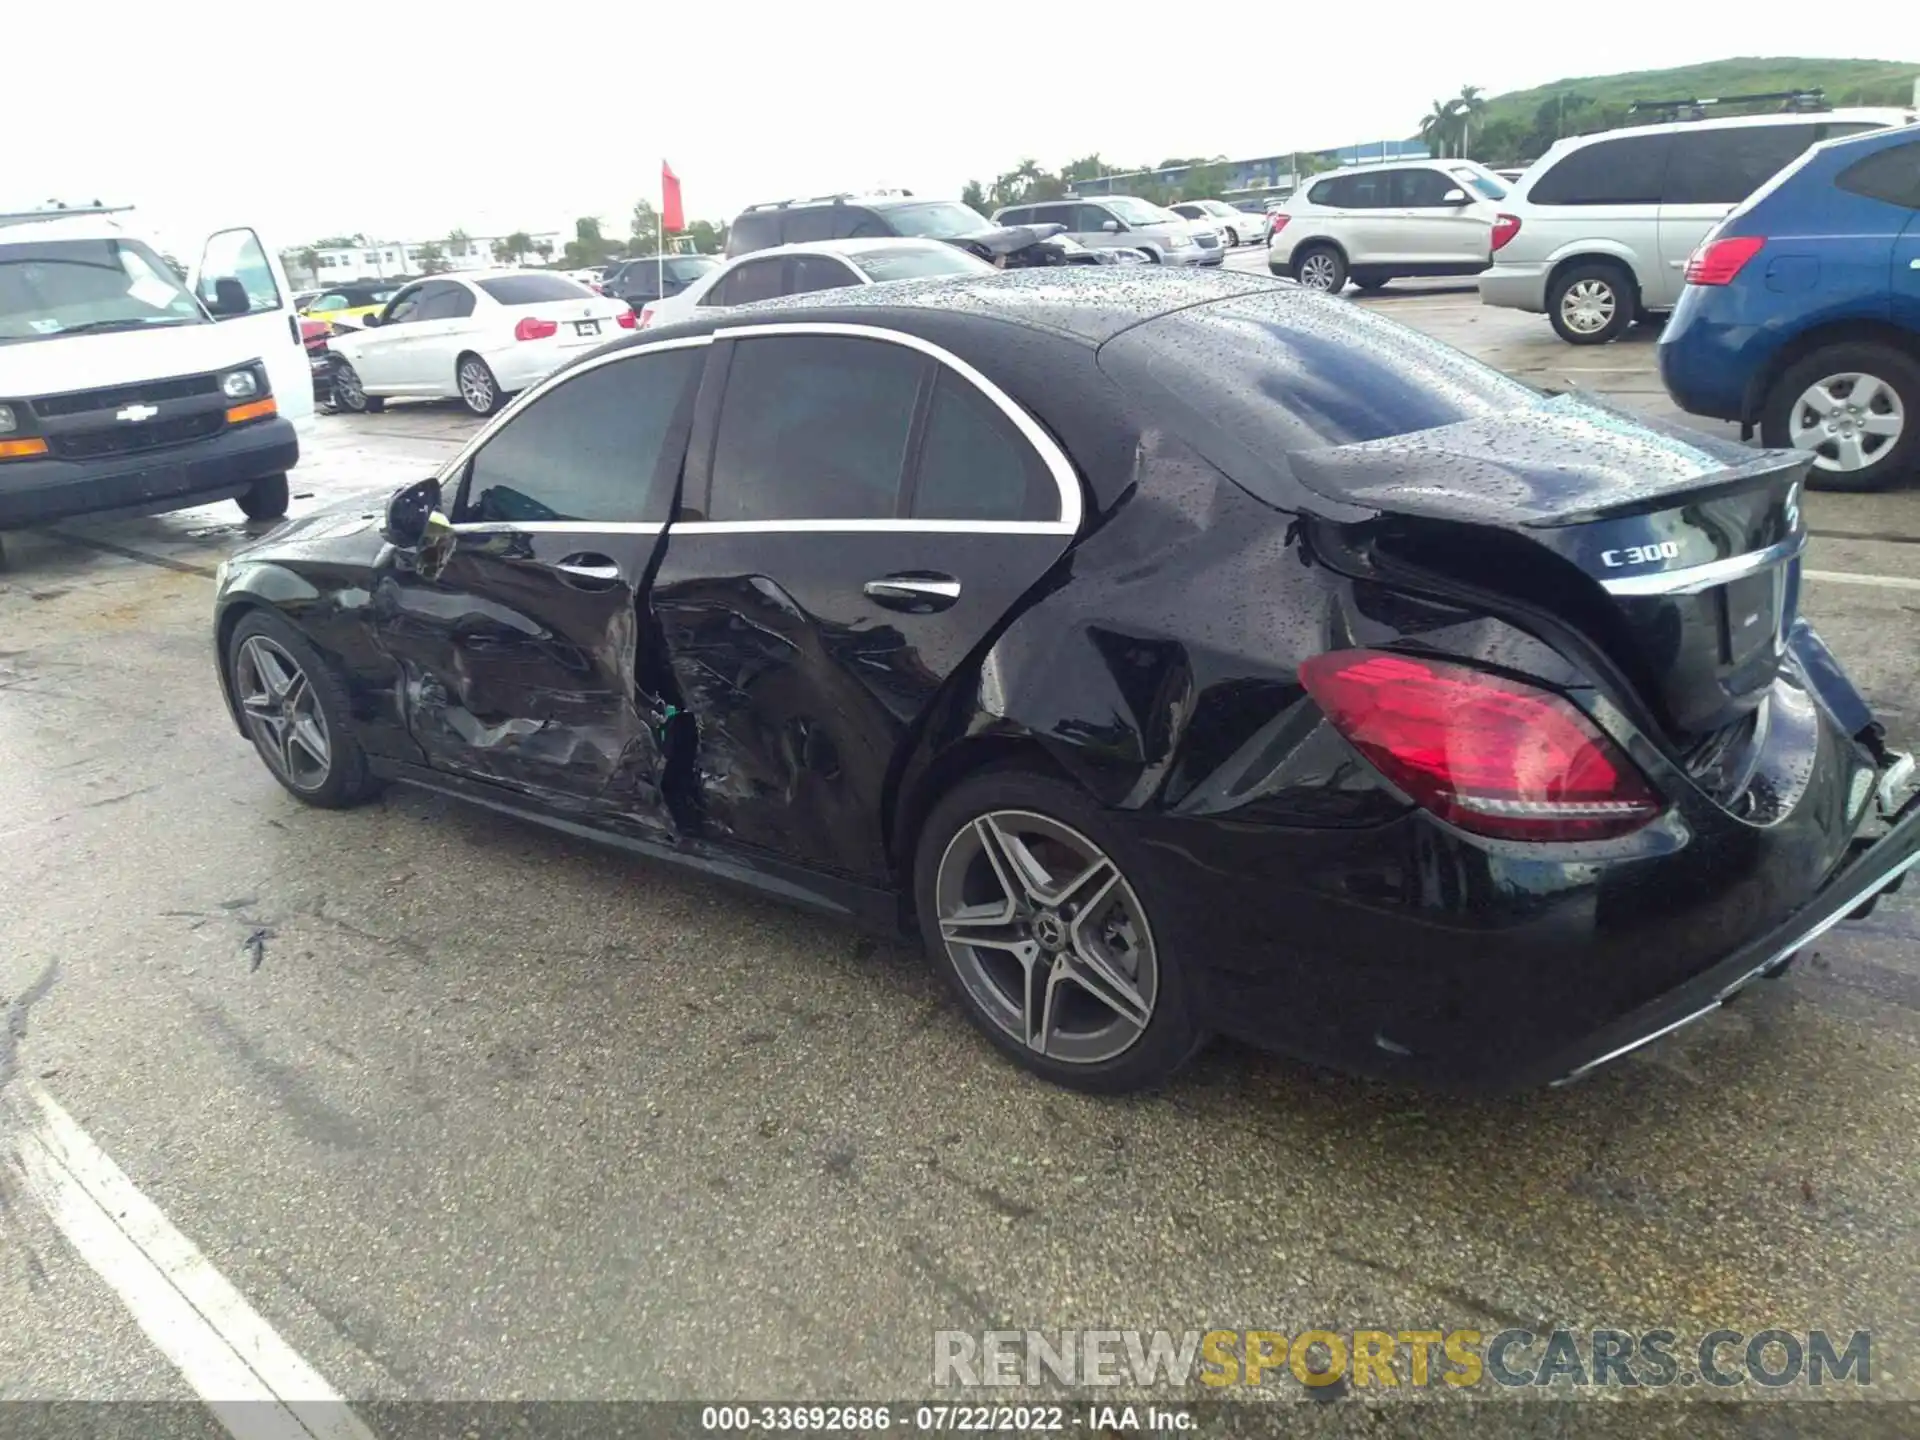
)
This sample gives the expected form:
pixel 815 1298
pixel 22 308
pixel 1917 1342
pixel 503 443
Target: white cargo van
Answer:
pixel 123 389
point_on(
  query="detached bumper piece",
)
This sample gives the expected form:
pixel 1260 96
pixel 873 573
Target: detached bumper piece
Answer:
pixel 1876 866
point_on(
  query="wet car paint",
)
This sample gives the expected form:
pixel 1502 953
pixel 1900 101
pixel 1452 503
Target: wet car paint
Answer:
pixel 753 716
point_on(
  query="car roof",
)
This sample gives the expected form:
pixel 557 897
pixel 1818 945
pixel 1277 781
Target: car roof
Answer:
pixel 1890 115
pixel 1087 303
pixel 864 245
pixel 61 226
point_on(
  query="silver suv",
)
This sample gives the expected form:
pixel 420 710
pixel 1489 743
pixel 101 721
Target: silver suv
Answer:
pixel 1373 223
pixel 1597 232
pixel 1122 222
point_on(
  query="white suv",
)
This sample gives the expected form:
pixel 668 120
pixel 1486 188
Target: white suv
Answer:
pixel 1598 230
pixel 1372 223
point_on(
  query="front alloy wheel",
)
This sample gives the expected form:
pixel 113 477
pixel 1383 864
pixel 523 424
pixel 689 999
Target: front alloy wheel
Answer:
pixel 1849 421
pixel 478 389
pixel 1047 937
pixel 283 714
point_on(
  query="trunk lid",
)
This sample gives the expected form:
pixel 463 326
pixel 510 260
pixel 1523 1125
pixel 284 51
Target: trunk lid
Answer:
pixel 1676 552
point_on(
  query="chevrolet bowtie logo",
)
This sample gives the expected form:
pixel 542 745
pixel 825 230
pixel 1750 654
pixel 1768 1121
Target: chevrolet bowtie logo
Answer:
pixel 137 413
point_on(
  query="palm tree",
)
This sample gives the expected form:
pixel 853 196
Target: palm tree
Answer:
pixel 1439 126
pixel 1469 107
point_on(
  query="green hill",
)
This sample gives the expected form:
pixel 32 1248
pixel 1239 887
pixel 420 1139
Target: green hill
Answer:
pixel 1517 126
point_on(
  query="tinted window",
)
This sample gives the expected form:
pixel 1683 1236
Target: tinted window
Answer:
pixel 1723 167
pixel 1087 218
pixel 444 301
pixel 1485 184
pixel 1627 171
pixel 1421 187
pixel 803 227
pixel 1016 215
pixel 1322 194
pixel 690 267
pixel 911 263
pixel 936 220
pixel 1892 175
pixel 1190 212
pixel 531 289
pixel 865 226
pixel 588 450
pixel 404 307
pixel 813 428
pixel 756 230
pixel 975 466
pixel 1067 215
pixel 818 272
pixel 755 280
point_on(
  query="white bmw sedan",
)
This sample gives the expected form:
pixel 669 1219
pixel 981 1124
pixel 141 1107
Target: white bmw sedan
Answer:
pixel 821 265
pixel 476 337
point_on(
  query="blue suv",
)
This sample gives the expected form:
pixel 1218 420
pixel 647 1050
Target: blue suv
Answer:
pixel 1801 313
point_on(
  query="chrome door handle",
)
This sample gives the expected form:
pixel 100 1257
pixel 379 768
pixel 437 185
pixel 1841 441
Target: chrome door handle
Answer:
pixel 914 592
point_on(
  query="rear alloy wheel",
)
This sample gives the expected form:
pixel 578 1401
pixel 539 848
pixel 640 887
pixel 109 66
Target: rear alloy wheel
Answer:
pixel 479 391
pixel 267 500
pixel 1590 304
pixel 1321 268
pixel 295 712
pixel 1857 408
pixel 1233 238
pixel 349 394
pixel 1046 939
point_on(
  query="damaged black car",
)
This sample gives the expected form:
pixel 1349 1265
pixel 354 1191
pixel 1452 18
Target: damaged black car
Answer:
pixel 1173 654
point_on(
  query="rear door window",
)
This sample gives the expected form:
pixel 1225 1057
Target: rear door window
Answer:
pixel 1017 215
pixel 1723 167
pixel 755 280
pixel 804 227
pixel 1628 171
pixel 818 272
pixel 591 450
pixel 1370 191
pixel 814 427
pixel 974 465
pixel 1892 175
pixel 755 230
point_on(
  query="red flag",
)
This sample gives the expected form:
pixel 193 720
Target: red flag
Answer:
pixel 672 217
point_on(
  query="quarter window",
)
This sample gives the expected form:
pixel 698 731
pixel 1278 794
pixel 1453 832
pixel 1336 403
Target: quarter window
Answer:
pixel 1626 171
pixel 814 428
pixel 755 280
pixel 1892 175
pixel 818 272
pixel 594 449
pixel 1723 167
pixel 974 465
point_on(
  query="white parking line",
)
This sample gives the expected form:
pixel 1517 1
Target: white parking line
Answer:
pixel 252 1380
pixel 1847 577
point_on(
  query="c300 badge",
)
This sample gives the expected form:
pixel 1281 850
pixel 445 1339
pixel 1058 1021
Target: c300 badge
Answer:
pixel 1641 554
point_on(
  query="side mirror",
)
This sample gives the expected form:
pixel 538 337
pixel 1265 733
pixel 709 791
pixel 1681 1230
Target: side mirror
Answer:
pixel 368 321
pixel 411 514
pixel 229 298
pixel 1112 227
pixel 1455 197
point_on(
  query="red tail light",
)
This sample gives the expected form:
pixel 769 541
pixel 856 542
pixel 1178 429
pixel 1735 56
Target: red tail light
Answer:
pixel 1279 224
pixel 646 316
pixel 1718 261
pixel 533 328
pixel 1505 227
pixel 1491 756
pixel 626 319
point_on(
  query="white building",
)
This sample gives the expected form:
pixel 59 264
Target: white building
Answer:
pixel 378 259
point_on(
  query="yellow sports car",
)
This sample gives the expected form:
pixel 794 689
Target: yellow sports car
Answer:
pixel 351 301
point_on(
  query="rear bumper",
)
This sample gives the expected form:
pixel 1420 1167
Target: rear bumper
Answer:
pixel 1515 287
pixel 39 492
pixel 1874 868
pixel 1711 363
pixel 524 364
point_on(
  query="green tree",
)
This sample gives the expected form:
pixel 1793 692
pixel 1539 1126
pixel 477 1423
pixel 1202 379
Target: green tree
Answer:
pixel 974 194
pixel 643 229
pixel 1087 167
pixel 518 244
pixel 341 242
pixel 1440 127
pixel 1469 108
pixel 309 260
pixel 708 238
pixel 1205 181
pixel 458 242
pixel 544 249
pixel 433 260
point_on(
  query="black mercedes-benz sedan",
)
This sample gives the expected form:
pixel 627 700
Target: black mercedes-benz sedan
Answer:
pixel 1174 654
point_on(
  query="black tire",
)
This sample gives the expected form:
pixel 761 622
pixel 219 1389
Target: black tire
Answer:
pixel 474 381
pixel 345 779
pixel 267 500
pixel 1233 238
pixel 1372 283
pixel 349 394
pixel 1602 296
pixel 1321 267
pixel 1896 457
pixel 1169 1037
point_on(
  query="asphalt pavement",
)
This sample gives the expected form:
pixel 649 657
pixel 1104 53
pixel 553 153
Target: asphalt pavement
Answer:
pixel 462 1110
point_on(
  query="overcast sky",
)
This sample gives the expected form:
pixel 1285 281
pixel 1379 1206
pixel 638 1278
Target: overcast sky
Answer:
pixel 210 115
